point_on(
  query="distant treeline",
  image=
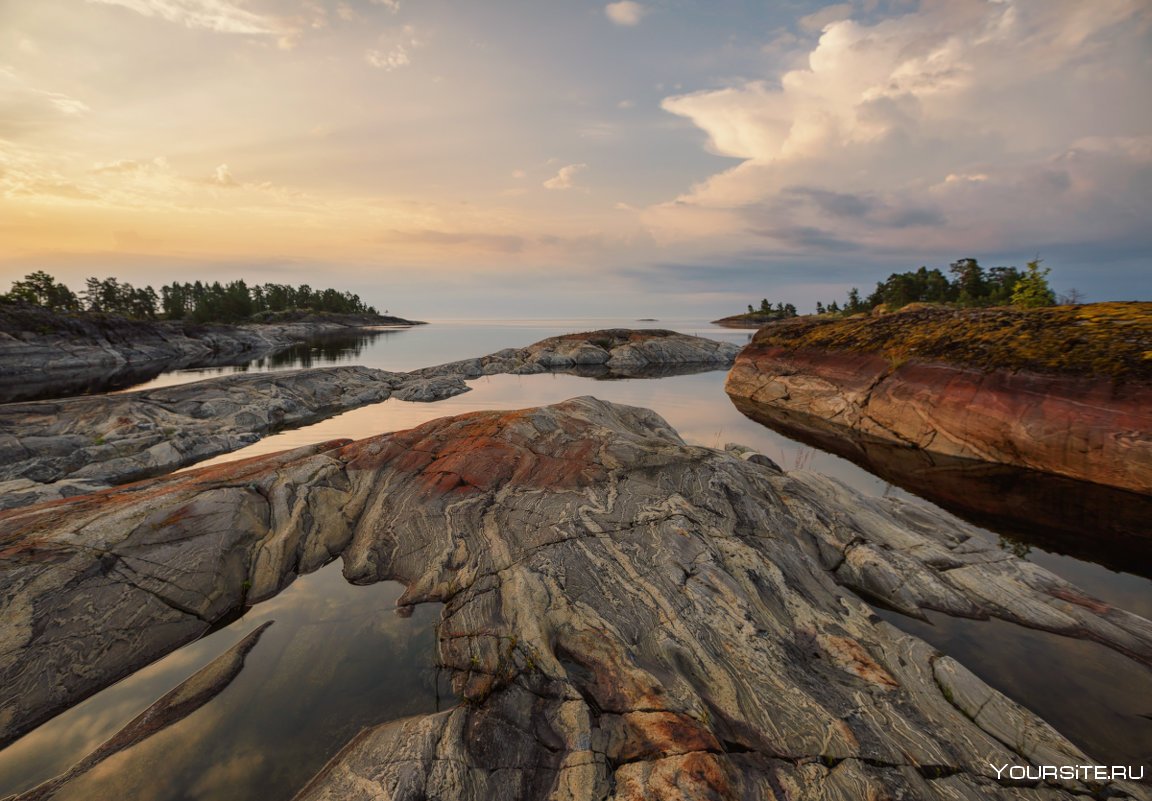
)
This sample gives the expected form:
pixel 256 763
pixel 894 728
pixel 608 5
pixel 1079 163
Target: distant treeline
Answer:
pixel 970 285
pixel 198 301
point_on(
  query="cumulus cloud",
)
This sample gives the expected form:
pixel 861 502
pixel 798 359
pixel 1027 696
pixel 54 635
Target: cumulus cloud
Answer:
pixel 564 178
pixel 971 122
pixel 394 49
pixel 625 12
pixel 215 15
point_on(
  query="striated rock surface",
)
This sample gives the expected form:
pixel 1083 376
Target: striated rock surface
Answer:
pixel 67 447
pixel 626 616
pixel 896 378
pixel 59 449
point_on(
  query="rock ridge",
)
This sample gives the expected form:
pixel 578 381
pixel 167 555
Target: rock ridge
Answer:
pixel 626 617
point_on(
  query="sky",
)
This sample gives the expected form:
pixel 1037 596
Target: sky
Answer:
pixel 573 158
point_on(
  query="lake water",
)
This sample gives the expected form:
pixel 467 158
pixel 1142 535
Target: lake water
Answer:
pixel 336 652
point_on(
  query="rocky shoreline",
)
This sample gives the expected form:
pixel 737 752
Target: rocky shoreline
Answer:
pixel 39 345
pixel 959 391
pixel 51 449
pixel 626 616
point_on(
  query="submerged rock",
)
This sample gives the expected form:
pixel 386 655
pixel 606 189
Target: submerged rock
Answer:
pixel 626 616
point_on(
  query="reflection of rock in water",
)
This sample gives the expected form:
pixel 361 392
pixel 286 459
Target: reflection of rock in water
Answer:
pixel 190 695
pixel 602 372
pixel 325 349
pixel 1089 521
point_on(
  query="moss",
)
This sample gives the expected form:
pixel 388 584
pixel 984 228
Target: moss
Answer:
pixel 1111 339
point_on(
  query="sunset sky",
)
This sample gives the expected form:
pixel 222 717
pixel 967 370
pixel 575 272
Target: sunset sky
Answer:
pixel 517 158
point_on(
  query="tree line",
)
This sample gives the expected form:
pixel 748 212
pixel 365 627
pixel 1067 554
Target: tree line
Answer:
pixel 969 285
pixel 198 301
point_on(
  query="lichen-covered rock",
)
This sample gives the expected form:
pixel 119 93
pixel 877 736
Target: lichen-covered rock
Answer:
pixel 626 616
pixel 1092 426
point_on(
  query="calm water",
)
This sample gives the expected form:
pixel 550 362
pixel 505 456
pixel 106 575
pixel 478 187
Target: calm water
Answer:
pixel 329 637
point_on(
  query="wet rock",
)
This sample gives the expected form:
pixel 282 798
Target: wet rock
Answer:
pixel 626 616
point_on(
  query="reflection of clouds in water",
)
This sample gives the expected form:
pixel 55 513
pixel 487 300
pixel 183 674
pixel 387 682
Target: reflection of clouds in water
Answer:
pixel 145 772
pixel 339 658
pixel 221 779
pixel 61 742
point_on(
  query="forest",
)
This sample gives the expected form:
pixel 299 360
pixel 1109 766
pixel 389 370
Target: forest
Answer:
pixel 198 302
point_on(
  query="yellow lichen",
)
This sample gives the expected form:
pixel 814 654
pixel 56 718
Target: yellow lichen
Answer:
pixel 1112 339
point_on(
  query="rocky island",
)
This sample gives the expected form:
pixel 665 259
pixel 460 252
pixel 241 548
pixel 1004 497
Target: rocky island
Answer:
pixel 1065 389
pixel 50 349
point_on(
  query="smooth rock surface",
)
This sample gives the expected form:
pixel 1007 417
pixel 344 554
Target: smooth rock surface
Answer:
pixel 1092 428
pixel 626 616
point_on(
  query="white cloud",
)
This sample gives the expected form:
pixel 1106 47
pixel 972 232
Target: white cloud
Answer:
pixel 563 179
pixel 215 15
pixel 818 20
pixel 963 122
pixel 625 12
pixel 391 5
pixel 394 49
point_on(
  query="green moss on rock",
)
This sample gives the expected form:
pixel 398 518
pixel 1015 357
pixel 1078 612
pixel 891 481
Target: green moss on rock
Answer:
pixel 1111 339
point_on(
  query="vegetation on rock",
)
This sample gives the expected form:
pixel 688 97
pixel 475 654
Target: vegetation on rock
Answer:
pixel 970 286
pixel 1113 339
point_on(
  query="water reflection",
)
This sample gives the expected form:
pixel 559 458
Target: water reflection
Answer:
pixel 327 349
pixel 1027 508
pixel 338 659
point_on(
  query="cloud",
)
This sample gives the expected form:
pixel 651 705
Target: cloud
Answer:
pixel 391 5
pixel 214 15
pixel 498 242
pixel 394 49
pixel 222 176
pixel 25 109
pixel 625 12
pixel 964 124
pixel 563 178
pixel 818 20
